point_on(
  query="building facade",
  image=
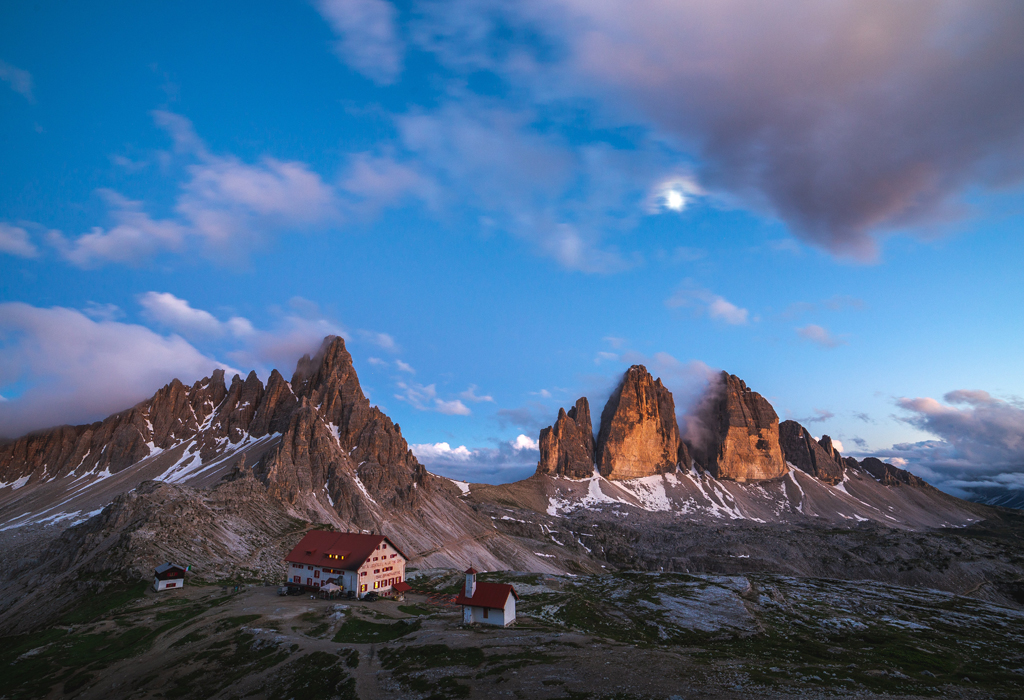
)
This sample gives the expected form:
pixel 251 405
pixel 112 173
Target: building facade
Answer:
pixel 168 576
pixel 357 562
pixel 487 603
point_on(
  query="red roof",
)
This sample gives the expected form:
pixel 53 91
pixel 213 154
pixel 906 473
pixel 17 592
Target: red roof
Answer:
pixel 471 570
pixel 401 587
pixel 488 595
pixel 351 548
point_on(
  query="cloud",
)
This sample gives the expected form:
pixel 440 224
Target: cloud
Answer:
pixel 843 118
pixel 501 464
pixel 471 395
pixel 820 416
pixel 177 314
pixel 404 367
pixel 368 40
pixel 225 204
pixel 381 340
pixel 297 330
pixel 525 417
pixel 441 451
pixel 452 408
pixel 819 336
pixel 75 369
pixel 19 80
pixel 377 362
pixel 716 307
pixel 15 240
pixel 524 442
pixel 835 303
pixel 980 447
pixel 102 312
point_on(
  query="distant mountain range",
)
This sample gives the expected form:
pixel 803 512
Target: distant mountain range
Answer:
pixel 226 477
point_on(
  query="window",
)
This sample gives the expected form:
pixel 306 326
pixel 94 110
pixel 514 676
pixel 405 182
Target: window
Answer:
pixel 309 582
pixel 376 584
pixel 297 579
pixel 310 568
pixel 316 574
pixel 171 585
pixel 362 589
pixel 376 571
pixel 485 613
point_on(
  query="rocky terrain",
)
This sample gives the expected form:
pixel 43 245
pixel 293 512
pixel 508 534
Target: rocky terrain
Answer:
pixel 227 477
pixel 210 473
pixel 623 635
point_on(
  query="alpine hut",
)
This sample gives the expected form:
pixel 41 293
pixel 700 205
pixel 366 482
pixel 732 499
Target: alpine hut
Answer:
pixel 168 576
pixel 359 563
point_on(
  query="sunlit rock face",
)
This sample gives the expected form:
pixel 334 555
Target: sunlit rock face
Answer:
pixel 743 435
pixel 567 447
pixel 639 435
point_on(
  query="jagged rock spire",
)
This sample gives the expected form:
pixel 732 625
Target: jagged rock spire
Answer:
pixel 639 435
pixel 567 447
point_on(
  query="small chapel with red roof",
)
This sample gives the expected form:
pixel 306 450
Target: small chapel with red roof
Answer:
pixel 487 603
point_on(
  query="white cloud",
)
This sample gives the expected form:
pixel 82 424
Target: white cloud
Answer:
pixel 524 442
pixel 377 362
pixel 603 356
pixel 102 312
pixel 819 336
pixel 418 396
pixel 381 340
pixel 226 205
pixel 838 445
pixel 716 307
pixel 368 40
pixel 452 408
pixel 404 367
pixel 76 369
pixel 440 450
pixel 19 80
pixel 178 315
pixel 15 240
pixel 471 395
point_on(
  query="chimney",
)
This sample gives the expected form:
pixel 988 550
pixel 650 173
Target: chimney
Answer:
pixel 470 582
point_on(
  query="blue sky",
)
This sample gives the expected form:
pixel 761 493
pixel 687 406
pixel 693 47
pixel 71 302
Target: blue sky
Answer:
pixel 501 208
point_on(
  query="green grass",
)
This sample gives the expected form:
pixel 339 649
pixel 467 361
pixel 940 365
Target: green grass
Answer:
pixel 408 663
pixel 357 631
pixel 314 675
pixel 415 610
pixel 94 606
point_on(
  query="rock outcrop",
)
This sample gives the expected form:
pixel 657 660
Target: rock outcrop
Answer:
pixel 567 447
pixel 639 435
pixel 743 440
pixel 889 475
pixel 819 459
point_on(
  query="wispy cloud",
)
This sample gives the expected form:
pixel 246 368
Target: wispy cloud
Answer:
pixel 368 40
pixel 819 336
pixel 67 361
pixel 716 307
pixel 18 79
pixel 178 315
pixel 15 240
pixel 471 395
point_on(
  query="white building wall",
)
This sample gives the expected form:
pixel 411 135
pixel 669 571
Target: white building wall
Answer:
pixel 494 617
pixel 171 583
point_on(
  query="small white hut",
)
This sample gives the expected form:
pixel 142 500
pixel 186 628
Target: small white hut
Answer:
pixel 487 603
pixel 168 576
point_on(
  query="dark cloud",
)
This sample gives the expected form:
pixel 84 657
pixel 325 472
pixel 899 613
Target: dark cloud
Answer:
pixel 531 418
pixel 820 416
pixel 980 445
pixel 844 118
